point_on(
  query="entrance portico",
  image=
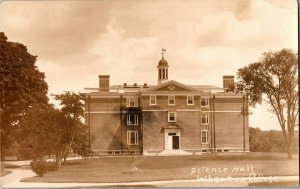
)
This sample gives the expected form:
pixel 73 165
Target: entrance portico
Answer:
pixel 172 137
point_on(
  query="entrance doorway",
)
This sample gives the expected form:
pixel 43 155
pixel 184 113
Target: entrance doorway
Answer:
pixel 172 141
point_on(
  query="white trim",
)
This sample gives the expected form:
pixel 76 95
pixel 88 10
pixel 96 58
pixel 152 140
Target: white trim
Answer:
pixel 105 112
pixel 206 100
pixel 103 96
pixel 206 118
pixel 187 100
pixel 178 133
pixel 196 110
pixel 136 137
pixel 171 93
pixel 172 82
pixel 175 117
pixel 169 100
pixel 225 111
pixel 205 130
pixel 150 100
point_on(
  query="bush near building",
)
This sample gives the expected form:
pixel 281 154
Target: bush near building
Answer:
pixel 269 141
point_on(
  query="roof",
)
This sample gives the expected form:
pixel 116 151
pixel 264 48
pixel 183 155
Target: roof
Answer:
pixel 205 87
pixel 163 62
pixel 160 89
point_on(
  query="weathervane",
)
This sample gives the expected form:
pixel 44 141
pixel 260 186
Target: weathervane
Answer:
pixel 162 52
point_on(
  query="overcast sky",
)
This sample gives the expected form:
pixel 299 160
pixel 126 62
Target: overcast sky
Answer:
pixel 75 41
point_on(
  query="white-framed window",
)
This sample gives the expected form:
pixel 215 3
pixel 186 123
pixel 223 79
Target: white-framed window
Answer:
pixel 190 100
pixel 171 100
pixel 132 119
pixel 204 102
pixel 152 100
pixel 131 102
pixel 171 116
pixel 204 119
pixel 204 136
pixel 132 137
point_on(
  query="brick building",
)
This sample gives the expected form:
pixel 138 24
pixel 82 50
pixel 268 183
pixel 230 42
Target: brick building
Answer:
pixel 169 117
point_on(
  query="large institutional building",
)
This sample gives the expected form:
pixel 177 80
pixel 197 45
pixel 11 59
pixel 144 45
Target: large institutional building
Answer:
pixel 167 118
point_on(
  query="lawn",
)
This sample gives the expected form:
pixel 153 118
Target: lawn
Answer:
pixel 118 169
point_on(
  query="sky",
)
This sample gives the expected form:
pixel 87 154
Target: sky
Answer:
pixel 75 41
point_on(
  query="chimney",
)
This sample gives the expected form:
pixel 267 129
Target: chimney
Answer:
pixel 145 85
pixel 135 85
pixel 125 85
pixel 103 83
pixel 228 82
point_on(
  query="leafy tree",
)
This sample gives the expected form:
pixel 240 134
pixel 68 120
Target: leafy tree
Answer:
pixel 21 86
pixel 75 132
pixel 82 141
pixel 41 131
pixel 269 141
pixel 274 80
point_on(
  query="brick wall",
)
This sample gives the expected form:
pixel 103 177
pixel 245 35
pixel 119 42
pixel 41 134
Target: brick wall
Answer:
pixel 107 129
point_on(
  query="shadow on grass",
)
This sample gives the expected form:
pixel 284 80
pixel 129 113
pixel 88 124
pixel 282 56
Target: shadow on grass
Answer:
pixel 11 166
pixel 75 162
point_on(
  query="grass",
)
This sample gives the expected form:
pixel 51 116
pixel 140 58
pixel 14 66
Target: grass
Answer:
pixel 115 169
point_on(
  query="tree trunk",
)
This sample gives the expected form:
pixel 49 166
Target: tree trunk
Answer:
pixel 65 159
pixel 290 146
pixel 58 159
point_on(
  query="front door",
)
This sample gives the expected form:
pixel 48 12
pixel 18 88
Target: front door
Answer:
pixel 169 143
pixel 172 141
pixel 175 144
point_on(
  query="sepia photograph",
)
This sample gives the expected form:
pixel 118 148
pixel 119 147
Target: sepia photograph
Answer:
pixel 149 94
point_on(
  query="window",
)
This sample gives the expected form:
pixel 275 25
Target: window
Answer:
pixel 152 100
pixel 132 119
pixel 204 102
pixel 131 102
pixel 171 100
pixel 204 119
pixel 172 117
pixel 190 100
pixel 132 137
pixel 204 137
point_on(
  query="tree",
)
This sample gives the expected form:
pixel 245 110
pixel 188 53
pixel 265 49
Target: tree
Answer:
pixel 75 133
pixel 21 86
pixel 40 134
pixel 274 80
pixel 269 141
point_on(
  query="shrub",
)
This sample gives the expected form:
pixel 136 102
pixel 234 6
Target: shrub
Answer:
pixel 39 167
pixel 52 166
